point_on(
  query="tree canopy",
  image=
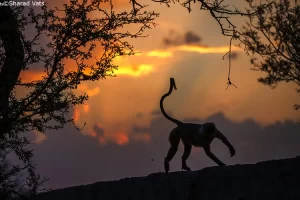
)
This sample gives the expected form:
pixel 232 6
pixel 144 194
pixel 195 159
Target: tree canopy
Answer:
pixel 73 32
pixel 88 35
pixel 272 39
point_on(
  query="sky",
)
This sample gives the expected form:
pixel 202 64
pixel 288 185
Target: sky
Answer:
pixel 126 135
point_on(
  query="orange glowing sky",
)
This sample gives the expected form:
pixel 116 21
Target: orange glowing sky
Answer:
pixel 200 74
pixel 125 134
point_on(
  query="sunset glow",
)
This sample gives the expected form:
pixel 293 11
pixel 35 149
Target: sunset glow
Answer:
pixel 39 137
pixel 161 54
pixel 92 133
pixel 76 113
pixel 29 76
pixel 139 70
pixel 93 92
pixel 200 49
pixel 116 100
pixel 86 108
pixel 121 138
pixel 122 131
pixel 102 140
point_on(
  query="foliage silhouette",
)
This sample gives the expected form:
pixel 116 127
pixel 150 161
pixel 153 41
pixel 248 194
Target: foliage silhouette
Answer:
pixel 71 33
pixel 272 38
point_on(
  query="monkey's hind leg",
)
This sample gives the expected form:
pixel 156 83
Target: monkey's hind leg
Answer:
pixel 174 140
pixel 185 156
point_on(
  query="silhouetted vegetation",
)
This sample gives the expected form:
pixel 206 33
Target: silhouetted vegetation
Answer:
pixel 44 40
pixel 219 10
pixel 273 40
pixel 53 37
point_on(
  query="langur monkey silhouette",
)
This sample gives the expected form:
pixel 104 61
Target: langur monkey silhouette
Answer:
pixel 198 135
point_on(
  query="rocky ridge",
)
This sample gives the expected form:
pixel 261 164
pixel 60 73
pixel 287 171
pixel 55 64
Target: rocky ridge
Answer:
pixel 275 179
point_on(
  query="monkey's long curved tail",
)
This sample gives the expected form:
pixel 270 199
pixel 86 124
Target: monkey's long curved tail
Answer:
pixel 172 85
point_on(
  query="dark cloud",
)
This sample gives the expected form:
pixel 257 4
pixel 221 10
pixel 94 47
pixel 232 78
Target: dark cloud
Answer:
pixel 234 55
pixel 191 38
pixel 176 39
pixel 69 158
pixel 98 130
pixel 138 129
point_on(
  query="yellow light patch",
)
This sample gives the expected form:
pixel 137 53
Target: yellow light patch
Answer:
pixel 139 70
pixel 202 49
pixel 160 54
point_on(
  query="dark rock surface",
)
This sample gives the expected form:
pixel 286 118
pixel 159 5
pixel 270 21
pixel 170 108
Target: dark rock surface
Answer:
pixel 275 179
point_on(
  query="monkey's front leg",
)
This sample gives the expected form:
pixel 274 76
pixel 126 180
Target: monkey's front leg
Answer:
pixel 186 154
pixel 212 156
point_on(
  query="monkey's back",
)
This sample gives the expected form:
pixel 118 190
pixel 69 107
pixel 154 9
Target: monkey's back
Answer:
pixel 188 131
pixel 197 134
